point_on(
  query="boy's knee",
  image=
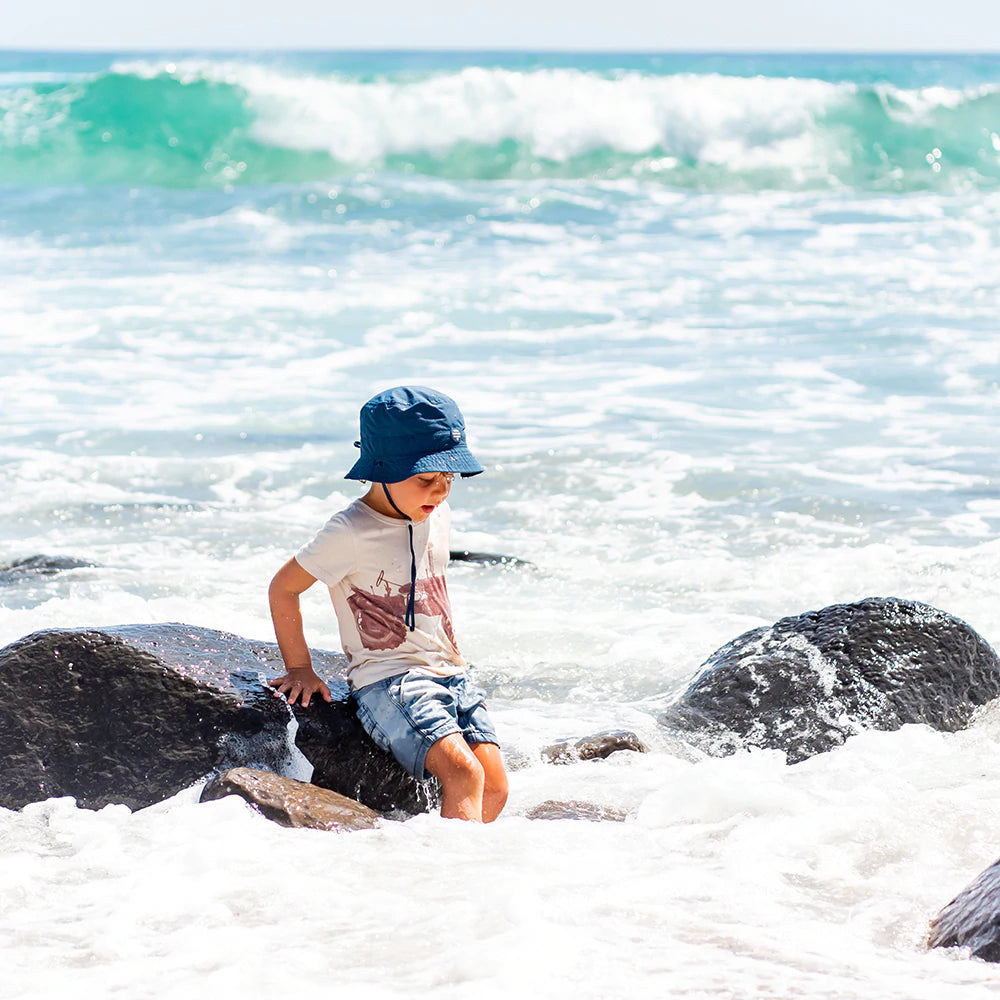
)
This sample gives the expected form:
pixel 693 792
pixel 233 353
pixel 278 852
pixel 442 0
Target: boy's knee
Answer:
pixel 497 787
pixel 494 796
pixel 496 782
pixel 471 770
pixel 451 760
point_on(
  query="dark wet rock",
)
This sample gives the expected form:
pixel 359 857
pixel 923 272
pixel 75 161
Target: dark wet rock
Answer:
pixel 596 747
pixel 574 809
pixel 346 760
pixel 489 559
pixel 807 683
pixel 972 919
pixel 35 566
pixel 291 802
pixel 135 713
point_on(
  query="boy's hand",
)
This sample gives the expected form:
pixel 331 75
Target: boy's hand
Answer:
pixel 300 684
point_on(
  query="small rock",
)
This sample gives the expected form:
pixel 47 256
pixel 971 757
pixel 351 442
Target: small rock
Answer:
pixel 595 747
pixel 290 802
pixel 574 809
pixel 489 559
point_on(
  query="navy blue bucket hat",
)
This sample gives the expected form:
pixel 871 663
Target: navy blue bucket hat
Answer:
pixel 409 430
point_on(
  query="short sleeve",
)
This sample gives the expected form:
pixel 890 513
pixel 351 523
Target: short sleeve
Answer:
pixel 331 554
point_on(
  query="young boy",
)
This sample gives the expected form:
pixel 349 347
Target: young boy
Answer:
pixel 383 558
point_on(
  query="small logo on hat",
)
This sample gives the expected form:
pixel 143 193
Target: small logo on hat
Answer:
pixel 456 435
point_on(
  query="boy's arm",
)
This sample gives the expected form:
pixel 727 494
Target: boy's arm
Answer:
pixel 300 680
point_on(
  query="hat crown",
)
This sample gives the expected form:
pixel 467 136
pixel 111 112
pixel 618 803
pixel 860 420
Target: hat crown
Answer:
pixel 410 420
pixel 412 429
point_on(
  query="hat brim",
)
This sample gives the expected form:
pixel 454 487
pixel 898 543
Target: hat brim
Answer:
pixel 394 470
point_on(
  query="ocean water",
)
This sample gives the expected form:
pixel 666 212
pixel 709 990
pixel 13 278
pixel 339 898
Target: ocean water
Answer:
pixel 724 330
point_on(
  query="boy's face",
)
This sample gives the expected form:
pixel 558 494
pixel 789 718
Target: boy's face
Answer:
pixel 416 497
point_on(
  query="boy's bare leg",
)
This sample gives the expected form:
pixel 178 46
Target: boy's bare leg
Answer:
pixel 462 777
pixel 495 779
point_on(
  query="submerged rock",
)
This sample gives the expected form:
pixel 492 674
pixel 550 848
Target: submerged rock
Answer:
pixel 972 919
pixel 291 802
pixel 33 566
pixel 807 683
pixel 596 747
pixel 135 713
pixel 574 809
pixel 489 559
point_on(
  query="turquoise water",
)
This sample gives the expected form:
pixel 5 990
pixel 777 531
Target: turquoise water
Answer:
pixel 698 121
pixel 724 329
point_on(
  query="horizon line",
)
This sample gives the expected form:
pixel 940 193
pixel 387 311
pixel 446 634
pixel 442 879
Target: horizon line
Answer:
pixel 491 50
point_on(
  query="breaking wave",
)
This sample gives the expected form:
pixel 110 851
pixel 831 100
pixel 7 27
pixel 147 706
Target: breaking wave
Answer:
pixel 202 123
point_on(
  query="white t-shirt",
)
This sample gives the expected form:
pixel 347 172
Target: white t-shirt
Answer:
pixel 364 558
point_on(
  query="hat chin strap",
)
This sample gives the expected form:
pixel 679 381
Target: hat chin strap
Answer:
pixel 410 620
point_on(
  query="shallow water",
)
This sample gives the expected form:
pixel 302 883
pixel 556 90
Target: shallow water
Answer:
pixel 708 394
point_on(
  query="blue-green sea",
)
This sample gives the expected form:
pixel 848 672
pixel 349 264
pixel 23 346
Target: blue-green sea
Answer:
pixel 701 122
pixel 725 332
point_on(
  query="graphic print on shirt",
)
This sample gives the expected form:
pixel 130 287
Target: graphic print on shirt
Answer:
pixel 379 615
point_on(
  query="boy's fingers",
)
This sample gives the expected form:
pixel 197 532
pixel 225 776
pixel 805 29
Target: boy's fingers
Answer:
pixel 295 690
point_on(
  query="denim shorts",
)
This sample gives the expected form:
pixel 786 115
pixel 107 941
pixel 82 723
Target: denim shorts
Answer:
pixel 407 714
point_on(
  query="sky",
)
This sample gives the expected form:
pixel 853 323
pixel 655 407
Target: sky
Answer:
pixel 615 25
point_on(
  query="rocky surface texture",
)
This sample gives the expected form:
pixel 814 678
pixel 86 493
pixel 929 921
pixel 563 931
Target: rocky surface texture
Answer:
pixel 135 713
pixel 972 919
pixel 805 684
pixel 596 747
pixel 290 802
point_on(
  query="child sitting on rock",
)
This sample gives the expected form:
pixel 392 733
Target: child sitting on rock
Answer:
pixel 384 558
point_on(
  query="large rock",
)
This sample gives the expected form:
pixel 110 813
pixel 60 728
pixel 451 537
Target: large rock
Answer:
pixel 805 684
pixel 972 919
pixel 135 713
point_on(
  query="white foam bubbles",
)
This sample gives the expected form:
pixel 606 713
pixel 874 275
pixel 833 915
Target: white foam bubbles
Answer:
pixel 791 880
